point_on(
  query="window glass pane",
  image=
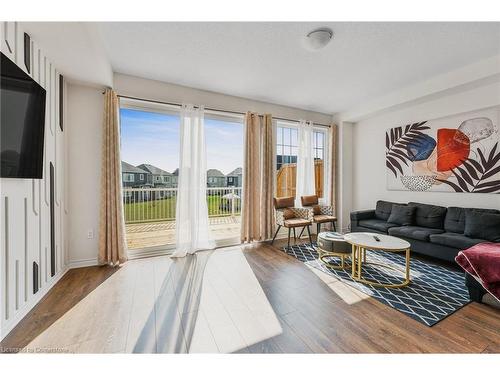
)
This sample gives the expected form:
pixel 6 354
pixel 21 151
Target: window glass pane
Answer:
pixel 279 150
pixel 322 139
pixel 295 136
pixel 286 136
pixel 279 136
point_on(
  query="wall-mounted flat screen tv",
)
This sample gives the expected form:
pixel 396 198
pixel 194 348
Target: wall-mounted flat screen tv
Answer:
pixel 22 115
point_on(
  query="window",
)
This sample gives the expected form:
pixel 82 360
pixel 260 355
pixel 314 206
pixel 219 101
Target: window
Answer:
pixel 286 159
pixel 128 177
pixel 319 151
pixel 141 177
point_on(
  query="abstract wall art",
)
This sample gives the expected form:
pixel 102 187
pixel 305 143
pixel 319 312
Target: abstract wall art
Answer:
pixel 459 153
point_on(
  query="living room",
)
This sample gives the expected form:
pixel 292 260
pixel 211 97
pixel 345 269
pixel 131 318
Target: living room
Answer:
pixel 250 187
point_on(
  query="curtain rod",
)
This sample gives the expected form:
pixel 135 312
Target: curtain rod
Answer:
pixel 210 109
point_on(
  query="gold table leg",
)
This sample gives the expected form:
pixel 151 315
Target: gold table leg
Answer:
pixel 358 254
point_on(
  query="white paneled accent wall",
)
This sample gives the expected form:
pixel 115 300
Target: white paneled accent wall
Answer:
pixel 25 203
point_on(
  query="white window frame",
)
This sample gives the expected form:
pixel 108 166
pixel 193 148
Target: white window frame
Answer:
pixel 141 177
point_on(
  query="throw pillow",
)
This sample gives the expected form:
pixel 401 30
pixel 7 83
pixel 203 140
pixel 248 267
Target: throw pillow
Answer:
pixel 482 225
pixel 288 214
pixel 401 215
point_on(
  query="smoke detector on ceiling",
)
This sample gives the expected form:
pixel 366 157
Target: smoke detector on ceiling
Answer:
pixel 318 38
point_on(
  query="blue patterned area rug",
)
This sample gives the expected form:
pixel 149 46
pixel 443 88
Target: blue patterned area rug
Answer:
pixel 434 293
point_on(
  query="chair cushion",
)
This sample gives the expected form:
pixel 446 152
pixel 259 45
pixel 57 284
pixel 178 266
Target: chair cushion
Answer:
pixel 481 224
pixel 402 215
pixel 284 202
pixel 414 232
pixel 380 225
pixel 309 200
pixel 323 218
pixel 383 210
pixel 296 222
pixel 456 240
pixel 428 215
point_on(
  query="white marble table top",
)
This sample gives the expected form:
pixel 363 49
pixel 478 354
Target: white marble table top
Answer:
pixel 367 240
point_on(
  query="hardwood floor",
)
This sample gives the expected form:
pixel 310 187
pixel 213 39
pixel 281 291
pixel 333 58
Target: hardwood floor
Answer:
pixel 244 299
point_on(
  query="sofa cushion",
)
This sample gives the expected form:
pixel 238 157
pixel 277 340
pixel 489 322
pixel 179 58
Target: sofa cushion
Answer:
pixel 454 221
pixel 481 224
pixel 456 240
pixel 401 215
pixel 383 210
pixel 380 225
pixel 428 215
pixel 414 232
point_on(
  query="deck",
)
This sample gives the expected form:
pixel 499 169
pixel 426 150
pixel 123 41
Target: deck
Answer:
pixel 152 234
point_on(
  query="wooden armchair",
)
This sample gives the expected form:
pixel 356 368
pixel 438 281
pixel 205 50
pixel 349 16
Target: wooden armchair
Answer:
pixel 290 217
pixel 317 213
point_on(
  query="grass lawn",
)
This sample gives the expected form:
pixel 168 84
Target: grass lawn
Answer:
pixel 164 209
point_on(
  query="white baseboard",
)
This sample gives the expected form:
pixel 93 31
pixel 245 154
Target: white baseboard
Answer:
pixel 83 263
pixel 5 329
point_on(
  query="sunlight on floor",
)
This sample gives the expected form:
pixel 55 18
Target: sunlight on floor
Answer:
pixel 347 293
pixel 211 302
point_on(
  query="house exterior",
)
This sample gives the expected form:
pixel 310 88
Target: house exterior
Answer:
pixel 234 178
pixel 215 178
pixel 157 177
pixel 133 176
pixel 175 178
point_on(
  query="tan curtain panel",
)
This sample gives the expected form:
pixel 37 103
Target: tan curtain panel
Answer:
pixel 112 227
pixel 258 182
pixel 333 163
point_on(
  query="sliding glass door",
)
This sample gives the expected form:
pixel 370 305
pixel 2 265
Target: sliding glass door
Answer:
pixel 150 160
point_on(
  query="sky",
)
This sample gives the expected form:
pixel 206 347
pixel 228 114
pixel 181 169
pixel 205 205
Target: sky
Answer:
pixel 153 138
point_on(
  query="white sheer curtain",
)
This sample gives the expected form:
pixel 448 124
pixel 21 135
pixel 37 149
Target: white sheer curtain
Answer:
pixel 191 216
pixel 305 162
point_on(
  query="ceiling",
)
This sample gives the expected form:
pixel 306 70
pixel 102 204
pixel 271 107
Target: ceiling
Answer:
pixel 267 62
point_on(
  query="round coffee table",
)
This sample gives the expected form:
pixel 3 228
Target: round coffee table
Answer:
pixel 332 244
pixel 362 241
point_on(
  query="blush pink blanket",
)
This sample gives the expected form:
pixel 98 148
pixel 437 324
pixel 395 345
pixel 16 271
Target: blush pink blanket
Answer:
pixel 483 262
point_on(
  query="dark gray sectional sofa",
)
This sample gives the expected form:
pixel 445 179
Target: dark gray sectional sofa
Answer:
pixel 436 231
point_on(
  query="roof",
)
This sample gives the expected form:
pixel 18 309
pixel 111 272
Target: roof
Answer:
pixel 154 170
pixel 215 173
pixel 236 172
pixel 129 168
pixel 176 172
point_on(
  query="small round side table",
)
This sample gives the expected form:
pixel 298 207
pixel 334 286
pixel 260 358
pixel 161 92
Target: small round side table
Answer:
pixel 332 244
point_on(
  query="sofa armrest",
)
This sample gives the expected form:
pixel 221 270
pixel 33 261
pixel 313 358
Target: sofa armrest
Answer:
pixel 362 215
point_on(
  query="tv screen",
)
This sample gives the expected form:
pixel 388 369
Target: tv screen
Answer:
pixel 22 114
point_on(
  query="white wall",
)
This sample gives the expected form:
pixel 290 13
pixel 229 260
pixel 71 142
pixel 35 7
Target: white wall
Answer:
pixel 162 91
pixel 368 164
pixel 85 107
pixel 25 212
